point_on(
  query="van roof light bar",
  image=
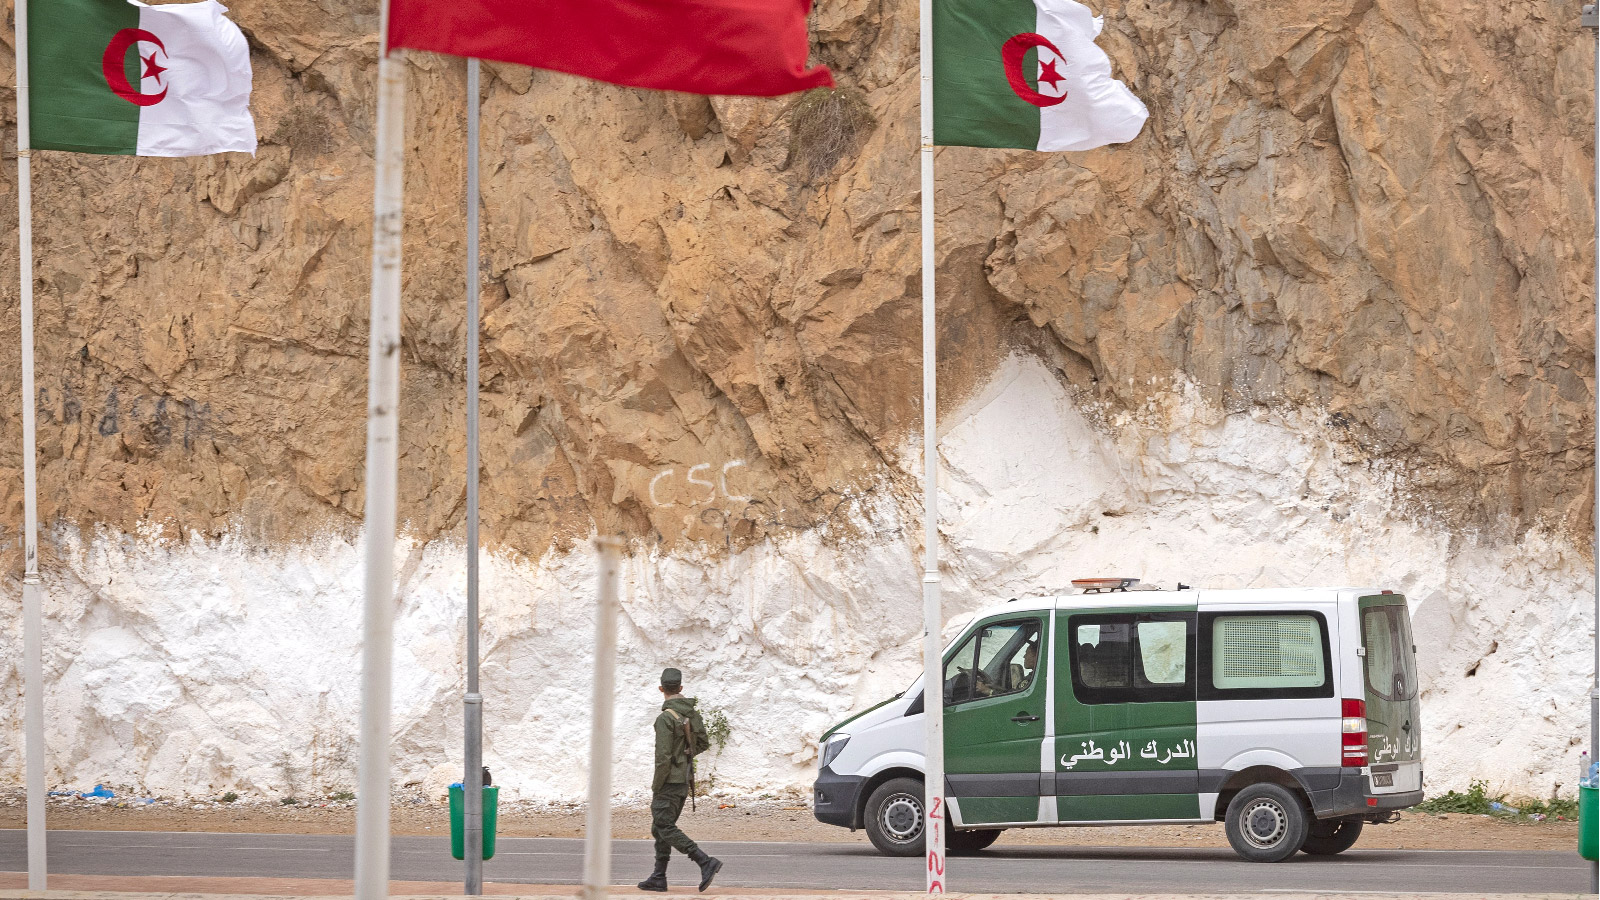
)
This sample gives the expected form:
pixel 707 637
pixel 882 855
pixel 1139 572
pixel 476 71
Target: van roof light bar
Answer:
pixel 1103 585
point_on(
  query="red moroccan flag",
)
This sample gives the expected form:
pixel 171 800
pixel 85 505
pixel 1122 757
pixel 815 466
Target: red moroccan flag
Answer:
pixel 748 47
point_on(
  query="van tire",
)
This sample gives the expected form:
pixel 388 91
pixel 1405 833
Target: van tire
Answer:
pixel 963 843
pixel 1267 823
pixel 1327 838
pixel 894 817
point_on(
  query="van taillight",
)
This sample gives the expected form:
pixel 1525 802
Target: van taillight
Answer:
pixel 1354 730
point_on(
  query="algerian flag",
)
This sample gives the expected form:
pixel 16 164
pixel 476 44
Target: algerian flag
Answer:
pixel 116 76
pixel 1026 73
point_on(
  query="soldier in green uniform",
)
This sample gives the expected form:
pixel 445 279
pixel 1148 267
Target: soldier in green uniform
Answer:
pixel 680 736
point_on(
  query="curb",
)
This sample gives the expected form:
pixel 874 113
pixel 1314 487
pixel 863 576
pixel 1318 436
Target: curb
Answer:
pixel 568 892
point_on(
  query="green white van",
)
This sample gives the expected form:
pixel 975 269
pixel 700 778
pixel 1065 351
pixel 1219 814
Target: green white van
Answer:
pixel 1291 716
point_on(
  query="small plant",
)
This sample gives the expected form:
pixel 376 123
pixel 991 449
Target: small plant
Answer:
pixel 304 128
pixel 825 126
pixel 290 773
pixel 718 731
pixel 289 801
pixel 229 797
pixel 1478 801
pixel 1474 802
pixel 1554 808
pixel 342 795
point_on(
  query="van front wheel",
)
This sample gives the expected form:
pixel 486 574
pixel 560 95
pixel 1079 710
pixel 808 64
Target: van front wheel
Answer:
pixel 1266 823
pixel 1328 838
pixel 895 819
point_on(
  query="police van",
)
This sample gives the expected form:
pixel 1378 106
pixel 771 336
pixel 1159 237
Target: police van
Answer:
pixel 1290 716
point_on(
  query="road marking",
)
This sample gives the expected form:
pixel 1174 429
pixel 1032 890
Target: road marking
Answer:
pixel 1386 893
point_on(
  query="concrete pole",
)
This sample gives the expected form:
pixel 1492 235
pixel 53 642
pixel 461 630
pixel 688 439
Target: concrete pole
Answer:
pixel 597 834
pixel 383 423
pixel 932 615
pixel 472 783
pixel 32 602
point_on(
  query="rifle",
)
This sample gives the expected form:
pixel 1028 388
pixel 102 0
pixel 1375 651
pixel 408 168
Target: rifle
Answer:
pixel 688 752
pixel 688 748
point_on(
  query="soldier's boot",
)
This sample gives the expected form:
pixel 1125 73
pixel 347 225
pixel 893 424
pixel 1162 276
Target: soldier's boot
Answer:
pixel 709 866
pixel 658 879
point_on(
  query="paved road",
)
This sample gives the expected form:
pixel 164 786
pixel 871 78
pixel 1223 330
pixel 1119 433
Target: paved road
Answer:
pixel 1019 869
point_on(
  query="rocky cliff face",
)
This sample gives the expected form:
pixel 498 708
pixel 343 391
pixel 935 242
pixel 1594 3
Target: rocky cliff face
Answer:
pixel 1329 317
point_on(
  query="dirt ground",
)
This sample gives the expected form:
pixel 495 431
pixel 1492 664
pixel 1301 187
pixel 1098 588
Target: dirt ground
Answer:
pixel 728 820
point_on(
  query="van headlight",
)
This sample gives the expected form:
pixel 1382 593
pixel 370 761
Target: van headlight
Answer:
pixel 833 747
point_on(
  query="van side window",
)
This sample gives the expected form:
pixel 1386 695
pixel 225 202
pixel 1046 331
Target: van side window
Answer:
pixel 1001 658
pixel 1163 652
pixel 1132 658
pixel 1262 656
pixel 1102 651
pixel 958 673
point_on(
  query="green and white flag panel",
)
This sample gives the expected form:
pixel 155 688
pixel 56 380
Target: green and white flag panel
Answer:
pixel 114 76
pixel 1026 74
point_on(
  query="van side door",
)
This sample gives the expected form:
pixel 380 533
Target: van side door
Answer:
pixel 994 719
pixel 1125 715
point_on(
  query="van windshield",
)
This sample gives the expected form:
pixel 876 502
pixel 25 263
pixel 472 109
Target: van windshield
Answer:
pixel 1391 666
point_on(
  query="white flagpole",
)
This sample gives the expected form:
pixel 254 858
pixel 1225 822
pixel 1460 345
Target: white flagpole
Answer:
pixel 32 603
pixel 472 784
pixel 383 398
pixel 1591 18
pixel 932 615
pixel 597 834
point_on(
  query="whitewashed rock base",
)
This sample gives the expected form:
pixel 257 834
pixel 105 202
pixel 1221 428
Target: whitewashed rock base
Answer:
pixel 185 668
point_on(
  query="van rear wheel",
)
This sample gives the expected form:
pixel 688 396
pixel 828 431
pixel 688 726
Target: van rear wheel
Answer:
pixel 1267 823
pixel 894 817
pixel 961 843
pixel 1333 836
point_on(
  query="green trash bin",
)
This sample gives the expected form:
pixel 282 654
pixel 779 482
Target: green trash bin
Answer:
pixel 1588 822
pixel 458 840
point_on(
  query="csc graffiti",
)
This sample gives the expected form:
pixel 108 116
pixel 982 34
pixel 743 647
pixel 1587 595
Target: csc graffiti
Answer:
pixel 702 485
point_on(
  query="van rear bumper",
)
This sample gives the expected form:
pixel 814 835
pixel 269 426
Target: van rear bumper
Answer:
pixel 836 798
pixel 1348 795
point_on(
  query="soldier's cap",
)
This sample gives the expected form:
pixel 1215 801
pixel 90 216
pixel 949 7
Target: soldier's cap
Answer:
pixel 671 678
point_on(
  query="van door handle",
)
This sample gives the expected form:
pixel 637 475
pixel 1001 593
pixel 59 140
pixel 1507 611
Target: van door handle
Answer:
pixel 1021 717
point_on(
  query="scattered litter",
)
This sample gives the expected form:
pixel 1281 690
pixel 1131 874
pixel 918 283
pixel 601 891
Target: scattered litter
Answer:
pixel 726 806
pixel 1537 817
pixel 1497 806
pixel 100 792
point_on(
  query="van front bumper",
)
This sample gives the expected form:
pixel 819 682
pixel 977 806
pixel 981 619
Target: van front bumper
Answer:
pixel 1347 794
pixel 835 799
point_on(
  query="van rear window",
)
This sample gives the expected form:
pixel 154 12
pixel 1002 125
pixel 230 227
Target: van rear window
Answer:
pixel 1390 664
pixel 1248 656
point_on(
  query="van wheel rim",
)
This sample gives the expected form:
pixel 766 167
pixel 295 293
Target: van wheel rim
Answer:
pixel 902 818
pixel 1265 823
